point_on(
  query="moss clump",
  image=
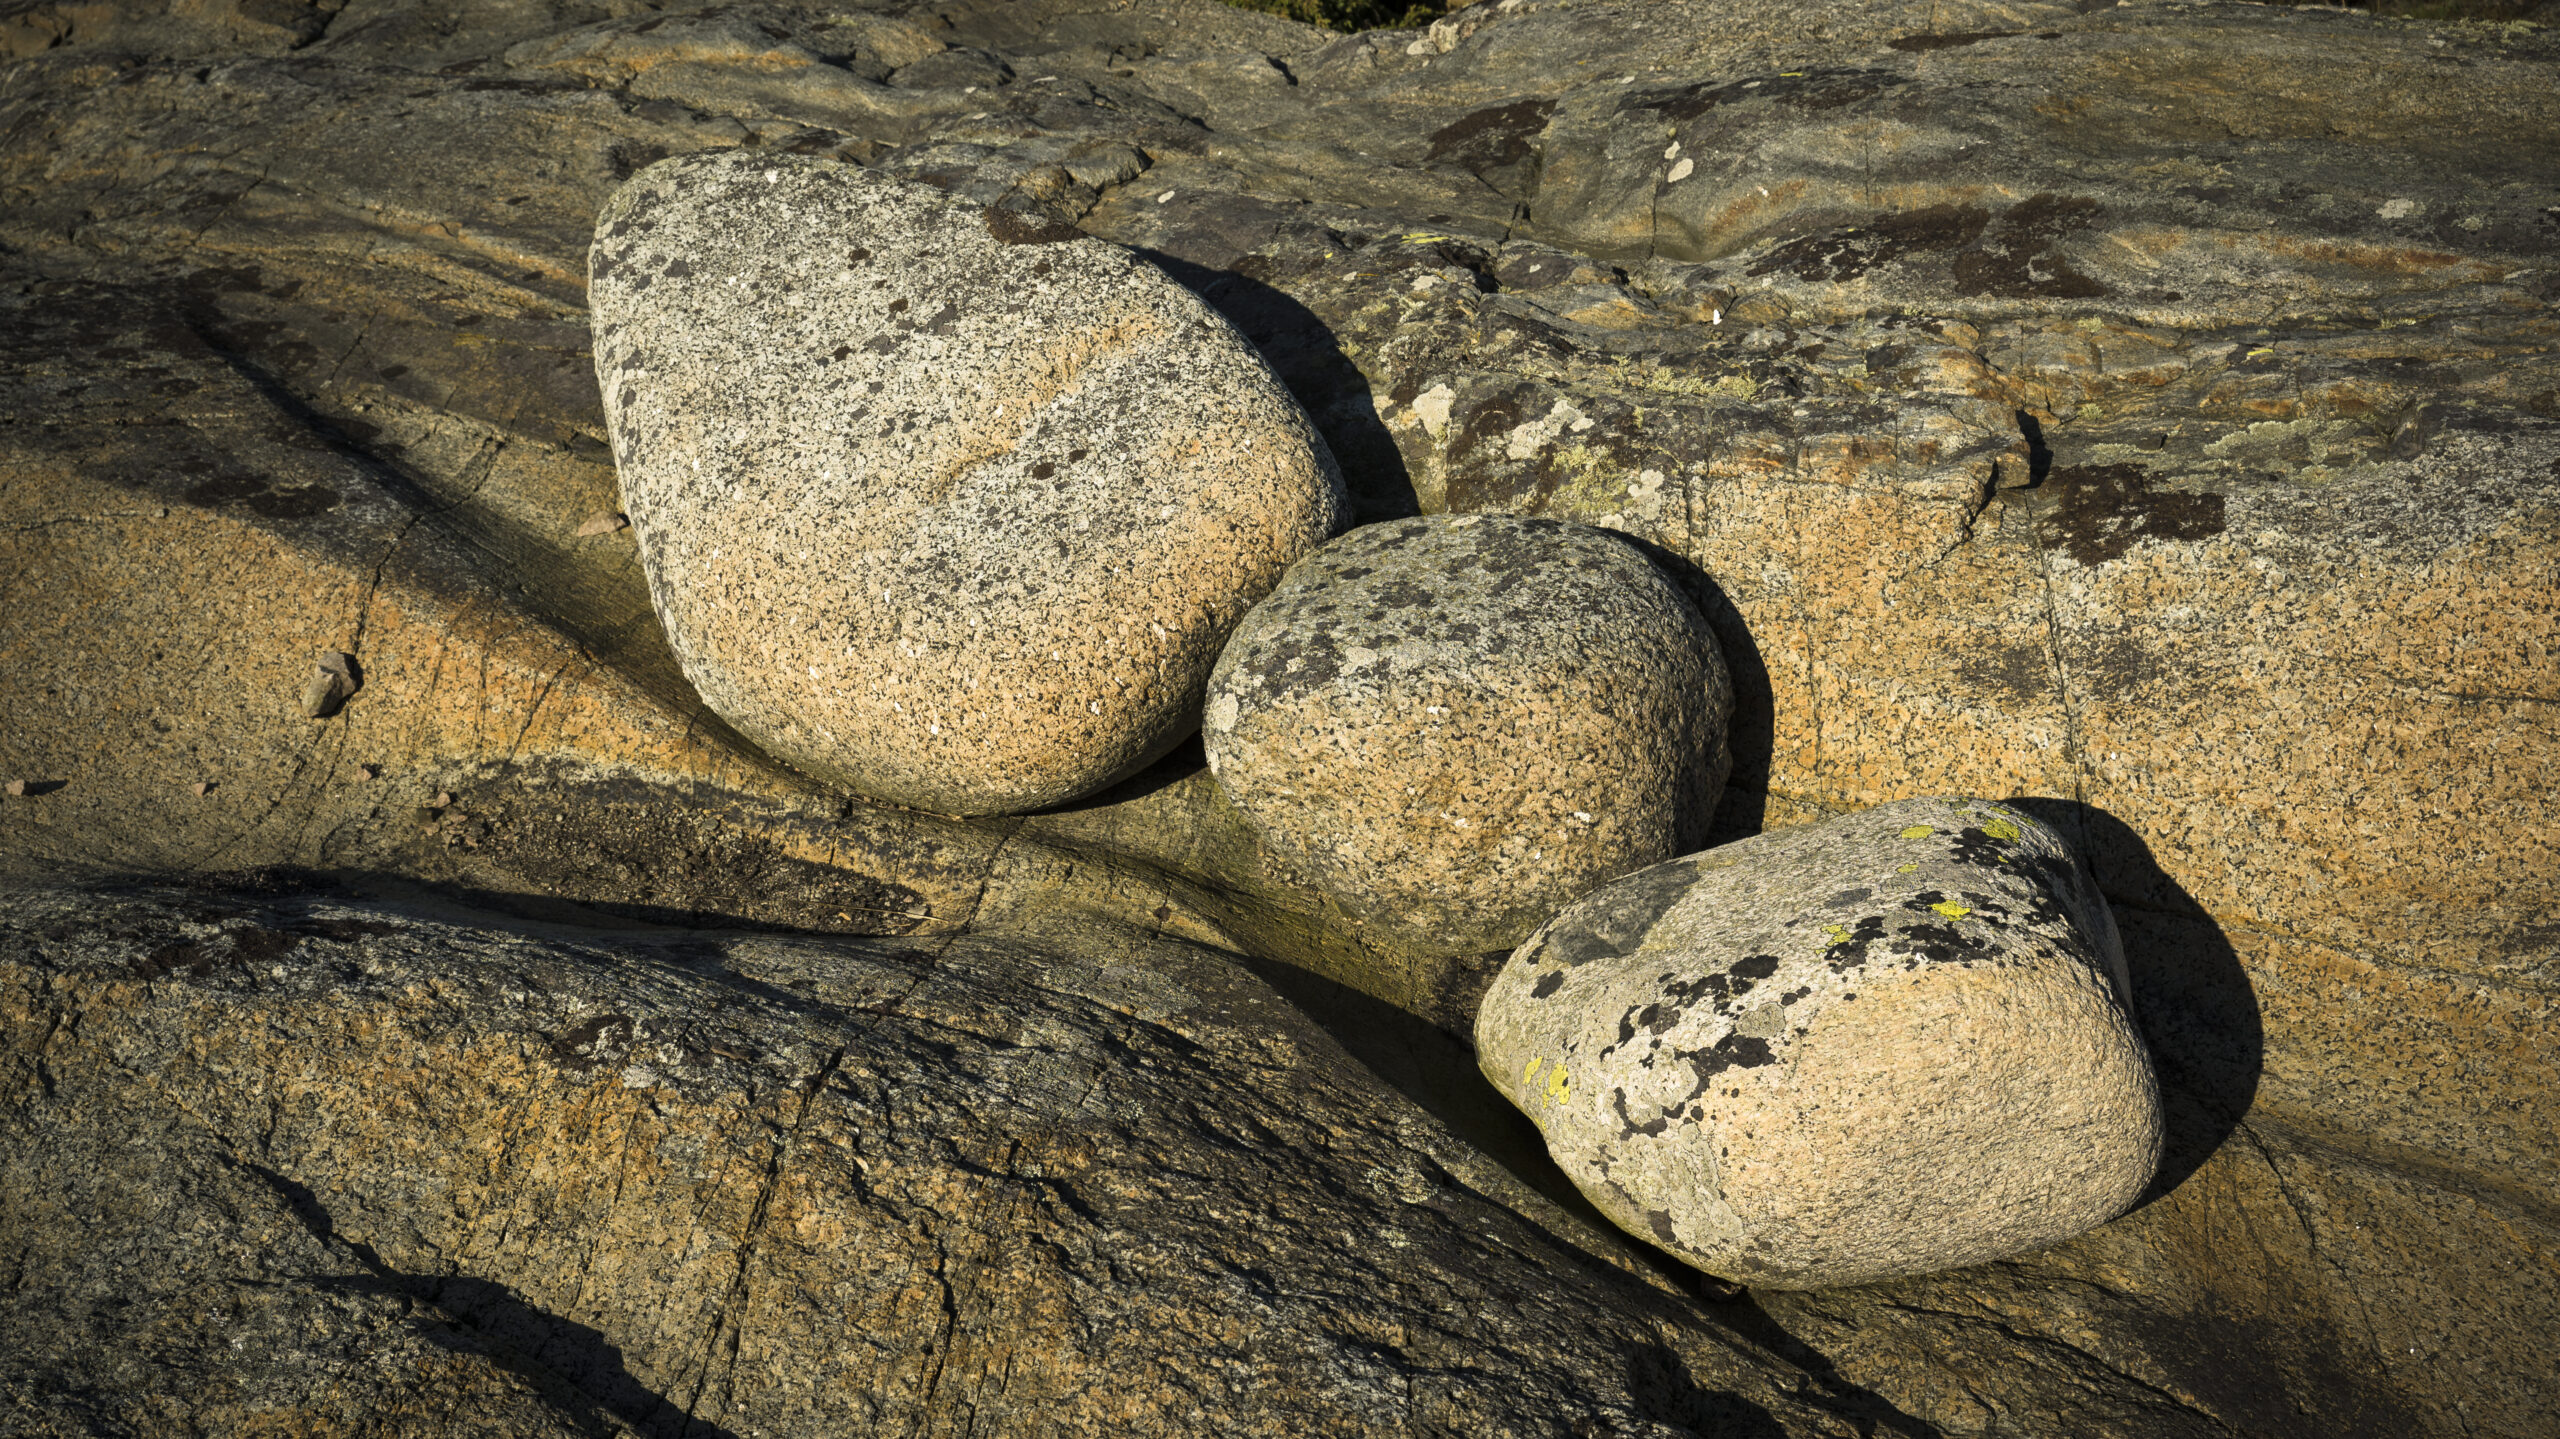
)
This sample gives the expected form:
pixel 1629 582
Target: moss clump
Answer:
pixel 1348 15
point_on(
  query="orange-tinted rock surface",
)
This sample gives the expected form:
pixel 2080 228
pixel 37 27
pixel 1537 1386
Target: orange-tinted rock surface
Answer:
pixel 2143 417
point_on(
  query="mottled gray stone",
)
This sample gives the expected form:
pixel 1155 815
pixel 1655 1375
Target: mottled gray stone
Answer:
pixel 931 508
pixel 1457 724
pixel 1886 1045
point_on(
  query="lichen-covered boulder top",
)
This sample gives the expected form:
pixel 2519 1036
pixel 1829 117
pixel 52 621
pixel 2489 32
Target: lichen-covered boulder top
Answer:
pixel 1884 1044
pixel 2145 416
pixel 1458 725
pixel 931 508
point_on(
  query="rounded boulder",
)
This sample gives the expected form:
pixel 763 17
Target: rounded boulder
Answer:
pixel 935 501
pixel 1456 724
pixel 1884 1045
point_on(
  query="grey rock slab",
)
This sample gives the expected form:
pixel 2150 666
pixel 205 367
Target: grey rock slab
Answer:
pixel 703 1181
pixel 933 503
pixel 1457 724
pixel 1890 1044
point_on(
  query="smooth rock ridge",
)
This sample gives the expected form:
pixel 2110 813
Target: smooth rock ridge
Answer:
pixel 933 503
pixel 1457 724
pixel 1884 1045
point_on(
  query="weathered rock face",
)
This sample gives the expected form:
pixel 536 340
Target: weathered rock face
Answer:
pixel 296 358
pixel 1883 1045
pixel 929 507
pixel 1456 726
pixel 737 1184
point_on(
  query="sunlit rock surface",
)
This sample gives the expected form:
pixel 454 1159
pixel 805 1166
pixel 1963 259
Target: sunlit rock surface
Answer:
pixel 2205 508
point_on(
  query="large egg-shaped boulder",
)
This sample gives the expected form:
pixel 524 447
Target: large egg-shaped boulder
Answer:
pixel 1883 1045
pixel 1455 724
pixel 933 502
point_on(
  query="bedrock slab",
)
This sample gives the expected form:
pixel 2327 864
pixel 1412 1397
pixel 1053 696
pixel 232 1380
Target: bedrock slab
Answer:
pixel 703 1181
pixel 1457 724
pixel 1887 1045
pixel 937 501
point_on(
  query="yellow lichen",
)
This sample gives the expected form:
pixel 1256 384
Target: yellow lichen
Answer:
pixel 2000 829
pixel 1951 909
pixel 1918 831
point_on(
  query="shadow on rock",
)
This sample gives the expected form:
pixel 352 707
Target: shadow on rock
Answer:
pixel 1864 1408
pixel 1751 733
pixel 1187 758
pixel 572 1365
pixel 2190 995
pixel 1665 1393
pixel 1310 361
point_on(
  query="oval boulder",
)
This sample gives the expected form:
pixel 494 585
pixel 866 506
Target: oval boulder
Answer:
pixel 931 503
pixel 1884 1045
pixel 1455 724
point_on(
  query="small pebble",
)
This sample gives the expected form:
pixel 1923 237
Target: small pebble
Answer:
pixel 443 798
pixel 17 787
pixel 603 524
pixel 366 772
pixel 201 787
pixel 334 680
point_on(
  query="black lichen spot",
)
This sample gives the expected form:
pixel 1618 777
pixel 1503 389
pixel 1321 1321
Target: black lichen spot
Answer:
pixel 1937 943
pixel 1757 966
pixel 1974 846
pixel 264 496
pixel 1921 44
pixel 1849 953
pixel 593 1042
pixel 1547 985
pixel 1660 1222
pixel 193 960
pixel 1846 254
pixel 2018 262
pixel 2098 512
pixel 346 931
pixel 1734 1051
pixel 677 269
pixel 1043 470
pixel 1491 141
pixel 1809 90
pixel 1014 227
pixel 1628 1128
pixel 258 946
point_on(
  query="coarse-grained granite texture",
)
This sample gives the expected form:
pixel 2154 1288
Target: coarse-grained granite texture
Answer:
pixel 1456 725
pixel 2246 593
pixel 1883 1045
pixel 1089 1182
pixel 938 501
